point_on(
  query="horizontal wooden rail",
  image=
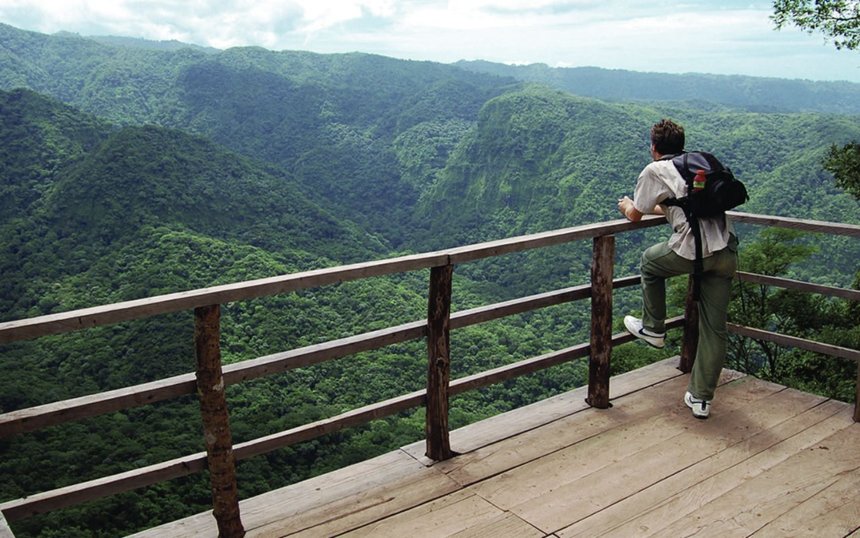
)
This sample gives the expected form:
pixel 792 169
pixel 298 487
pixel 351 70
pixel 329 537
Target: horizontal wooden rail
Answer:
pixel 530 366
pixel 830 228
pixel 187 300
pixel 755 278
pixel 500 247
pixel 42 416
pixel 49 501
pixel 793 341
pixel 34 418
pixel 401 403
pixel 145 476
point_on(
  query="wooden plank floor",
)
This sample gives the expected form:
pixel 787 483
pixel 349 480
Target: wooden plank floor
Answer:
pixel 770 461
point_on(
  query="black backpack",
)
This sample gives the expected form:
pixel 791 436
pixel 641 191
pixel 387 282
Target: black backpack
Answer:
pixel 712 190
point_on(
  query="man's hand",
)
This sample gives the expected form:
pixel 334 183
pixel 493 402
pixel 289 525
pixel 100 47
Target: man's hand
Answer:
pixel 625 205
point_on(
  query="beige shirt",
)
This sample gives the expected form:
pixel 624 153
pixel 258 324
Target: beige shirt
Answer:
pixel 660 180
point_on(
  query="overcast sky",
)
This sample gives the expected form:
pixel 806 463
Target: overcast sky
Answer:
pixel 724 37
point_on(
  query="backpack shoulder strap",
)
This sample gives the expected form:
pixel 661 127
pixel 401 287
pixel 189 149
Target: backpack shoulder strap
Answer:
pixel 680 162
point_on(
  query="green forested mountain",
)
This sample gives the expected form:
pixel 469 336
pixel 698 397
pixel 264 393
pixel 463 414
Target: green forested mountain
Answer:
pixel 75 189
pixel 329 119
pixel 755 94
pixel 129 170
pixel 41 138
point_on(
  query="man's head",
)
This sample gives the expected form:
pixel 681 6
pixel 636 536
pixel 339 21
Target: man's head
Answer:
pixel 667 137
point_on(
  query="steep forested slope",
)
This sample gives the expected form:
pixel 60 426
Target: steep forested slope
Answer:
pixel 365 135
pixel 41 138
pixel 552 159
pixel 537 159
pixel 103 214
pixel 75 189
pixel 330 120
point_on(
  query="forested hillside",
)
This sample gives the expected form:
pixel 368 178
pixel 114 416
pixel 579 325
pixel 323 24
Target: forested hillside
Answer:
pixel 329 119
pixel 130 169
pixel 76 190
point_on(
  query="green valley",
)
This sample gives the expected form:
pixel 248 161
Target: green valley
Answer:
pixel 130 170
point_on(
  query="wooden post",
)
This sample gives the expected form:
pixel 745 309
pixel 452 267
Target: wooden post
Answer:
pixel 602 268
pixel 216 422
pixel 691 330
pixel 439 362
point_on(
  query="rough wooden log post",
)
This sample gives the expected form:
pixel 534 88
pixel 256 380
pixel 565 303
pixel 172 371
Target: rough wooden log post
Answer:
pixel 439 362
pixel 691 330
pixel 602 268
pixel 216 422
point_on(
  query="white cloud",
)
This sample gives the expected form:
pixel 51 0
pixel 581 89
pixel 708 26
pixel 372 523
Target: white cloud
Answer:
pixel 695 35
pixel 321 15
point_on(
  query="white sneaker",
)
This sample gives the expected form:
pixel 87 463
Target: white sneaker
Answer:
pixel 634 327
pixel 701 408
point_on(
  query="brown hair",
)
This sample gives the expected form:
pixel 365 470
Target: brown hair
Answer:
pixel 667 137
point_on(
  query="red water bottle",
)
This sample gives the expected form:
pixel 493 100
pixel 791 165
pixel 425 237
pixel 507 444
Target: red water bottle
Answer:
pixel 699 180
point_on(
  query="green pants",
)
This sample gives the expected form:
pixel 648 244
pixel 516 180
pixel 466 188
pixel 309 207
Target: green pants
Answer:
pixel 659 262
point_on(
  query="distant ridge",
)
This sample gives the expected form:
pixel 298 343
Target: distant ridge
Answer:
pixel 754 94
pixel 147 44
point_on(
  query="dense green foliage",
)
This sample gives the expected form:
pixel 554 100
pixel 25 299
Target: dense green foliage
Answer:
pixel 839 20
pixel 129 170
pixel 795 313
pixel 844 163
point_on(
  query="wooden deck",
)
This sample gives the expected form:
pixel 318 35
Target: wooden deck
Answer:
pixel 770 461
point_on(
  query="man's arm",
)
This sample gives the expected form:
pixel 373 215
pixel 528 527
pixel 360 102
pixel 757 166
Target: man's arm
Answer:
pixel 625 205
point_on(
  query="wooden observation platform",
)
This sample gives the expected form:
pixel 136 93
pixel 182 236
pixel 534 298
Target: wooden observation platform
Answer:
pixel 770 461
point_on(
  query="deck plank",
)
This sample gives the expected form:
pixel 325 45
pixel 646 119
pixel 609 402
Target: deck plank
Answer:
pixel 385 484
pixel 602 447
pixel 358 509
pixel 457 514
pixel 331 508
pixel 784 487
pixel 653 508
pixel 535 443
pixel 569 485
pixel 832 512
pixel 5 531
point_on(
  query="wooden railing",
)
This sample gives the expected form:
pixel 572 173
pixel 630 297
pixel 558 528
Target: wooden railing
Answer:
pixel 765 280
pixel 211 377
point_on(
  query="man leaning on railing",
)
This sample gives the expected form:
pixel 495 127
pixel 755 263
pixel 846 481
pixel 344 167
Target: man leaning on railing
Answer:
pixel 660 181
